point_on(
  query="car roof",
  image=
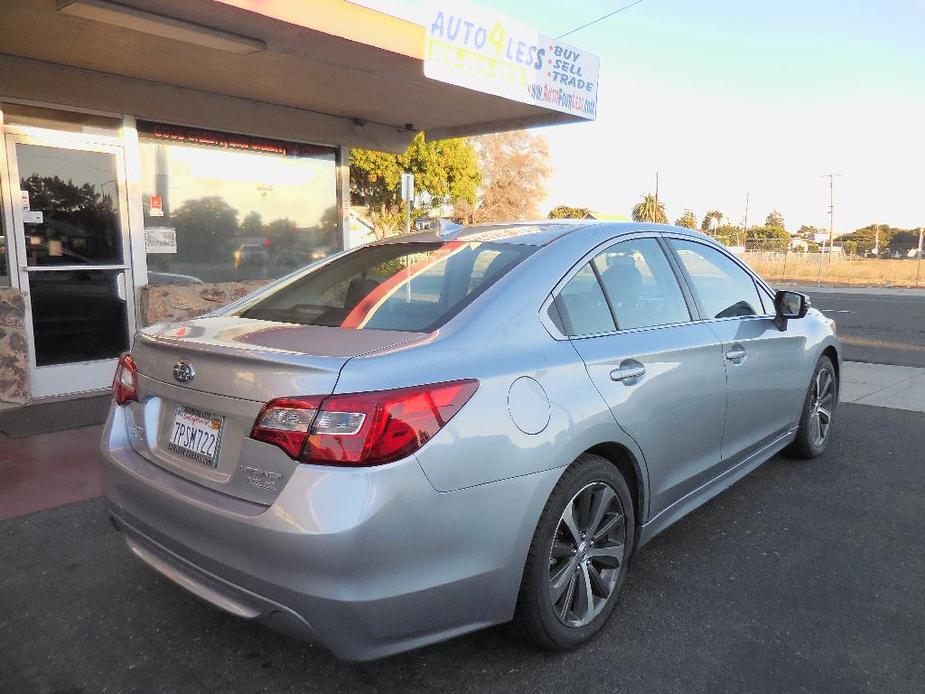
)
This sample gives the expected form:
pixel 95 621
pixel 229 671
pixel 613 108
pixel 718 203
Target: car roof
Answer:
pixel 538 233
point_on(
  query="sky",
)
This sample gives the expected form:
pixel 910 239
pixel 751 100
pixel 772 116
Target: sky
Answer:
pixel 726 99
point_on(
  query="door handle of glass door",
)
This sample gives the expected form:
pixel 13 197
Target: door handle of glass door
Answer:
pixel 120 285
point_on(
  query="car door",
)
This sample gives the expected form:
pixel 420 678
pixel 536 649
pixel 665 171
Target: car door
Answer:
pixel 764 365
pixel 661 373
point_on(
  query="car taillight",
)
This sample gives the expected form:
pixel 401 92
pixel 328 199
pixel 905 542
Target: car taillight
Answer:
pixel 361 428
pixel 285 422
pixel 125 382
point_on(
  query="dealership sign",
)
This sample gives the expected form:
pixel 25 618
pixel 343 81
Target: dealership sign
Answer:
pixel 478 49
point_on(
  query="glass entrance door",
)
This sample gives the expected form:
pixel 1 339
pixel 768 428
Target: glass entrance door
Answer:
pixel 73 255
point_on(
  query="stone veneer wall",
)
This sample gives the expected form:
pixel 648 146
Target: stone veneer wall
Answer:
pixel 176 302
pixel 14 350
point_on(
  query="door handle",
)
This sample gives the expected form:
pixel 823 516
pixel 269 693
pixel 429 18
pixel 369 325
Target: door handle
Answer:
pixel 120 285
pixel 628 373
pixel 736 354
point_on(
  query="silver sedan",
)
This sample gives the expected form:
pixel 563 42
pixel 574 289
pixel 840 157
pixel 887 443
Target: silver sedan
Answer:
pixel 433 434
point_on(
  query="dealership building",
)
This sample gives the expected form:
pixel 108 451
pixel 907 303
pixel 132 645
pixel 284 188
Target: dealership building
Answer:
pixel 162 157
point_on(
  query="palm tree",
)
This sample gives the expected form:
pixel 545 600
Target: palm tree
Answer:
pixel 687 219
pixel 650 210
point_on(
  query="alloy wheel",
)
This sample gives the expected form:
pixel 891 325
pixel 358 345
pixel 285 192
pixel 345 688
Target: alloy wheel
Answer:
pixel 586 554
pixel 823 404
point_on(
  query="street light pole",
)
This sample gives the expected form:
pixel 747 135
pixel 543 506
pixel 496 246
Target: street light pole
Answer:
pixel 745 221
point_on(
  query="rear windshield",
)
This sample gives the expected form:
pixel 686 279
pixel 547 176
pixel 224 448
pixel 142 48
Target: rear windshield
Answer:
pixel 400 286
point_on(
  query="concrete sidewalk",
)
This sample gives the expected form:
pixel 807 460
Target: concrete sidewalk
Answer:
pixel 48 470
pixel 882 385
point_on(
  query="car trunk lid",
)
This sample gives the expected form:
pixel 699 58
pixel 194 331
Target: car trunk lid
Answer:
pixel 196 423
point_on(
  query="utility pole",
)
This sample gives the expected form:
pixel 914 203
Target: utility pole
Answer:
pixel 877 241
pixel 407 194
pixel 918 267
pixel 831 178
pixel 745 223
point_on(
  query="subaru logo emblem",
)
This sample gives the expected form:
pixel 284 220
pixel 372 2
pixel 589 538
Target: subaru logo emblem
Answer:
pixel 183 371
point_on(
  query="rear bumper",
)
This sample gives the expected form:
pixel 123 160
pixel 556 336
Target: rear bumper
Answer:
pixel 366 562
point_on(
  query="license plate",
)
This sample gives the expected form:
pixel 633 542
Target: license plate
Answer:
pixel 196 435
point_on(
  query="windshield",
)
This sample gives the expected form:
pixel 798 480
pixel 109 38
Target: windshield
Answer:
pixel 400 286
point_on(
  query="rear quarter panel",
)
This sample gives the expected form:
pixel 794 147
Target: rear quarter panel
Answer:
pixel 498 339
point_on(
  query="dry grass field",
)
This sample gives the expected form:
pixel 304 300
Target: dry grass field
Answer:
pixel 860 272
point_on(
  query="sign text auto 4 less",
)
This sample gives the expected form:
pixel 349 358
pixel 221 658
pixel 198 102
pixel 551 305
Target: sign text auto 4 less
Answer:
pixel 475 48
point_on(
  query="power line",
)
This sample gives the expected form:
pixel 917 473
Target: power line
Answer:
pixel 599 19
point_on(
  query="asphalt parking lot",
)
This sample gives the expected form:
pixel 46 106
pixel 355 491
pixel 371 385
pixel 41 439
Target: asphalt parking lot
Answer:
pixel 805 576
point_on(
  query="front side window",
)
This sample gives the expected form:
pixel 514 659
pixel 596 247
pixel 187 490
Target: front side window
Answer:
pixel 641 285
pixel 725 290
pixel 220 207
pixel 399 286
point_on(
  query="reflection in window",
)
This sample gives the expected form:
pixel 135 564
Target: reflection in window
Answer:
pixel 223 207
pixel 581 305
pixel 725 290
pixel 395 286
pixel 75 195
pixel 641 285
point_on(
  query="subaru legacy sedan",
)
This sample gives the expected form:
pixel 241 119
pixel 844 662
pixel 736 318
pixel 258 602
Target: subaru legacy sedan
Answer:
pixel 437 433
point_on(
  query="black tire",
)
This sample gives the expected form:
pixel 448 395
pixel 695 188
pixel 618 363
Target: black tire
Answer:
pixel 808 443
pixel 584 488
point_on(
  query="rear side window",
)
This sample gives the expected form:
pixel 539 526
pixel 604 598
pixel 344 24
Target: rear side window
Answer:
pixel 582 307
pixel 725 290
pixel 641 285
pixel 401 286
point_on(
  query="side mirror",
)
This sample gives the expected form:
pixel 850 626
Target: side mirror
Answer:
pixel 789 305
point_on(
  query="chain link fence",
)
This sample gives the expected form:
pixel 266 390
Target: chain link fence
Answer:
pixel 835 268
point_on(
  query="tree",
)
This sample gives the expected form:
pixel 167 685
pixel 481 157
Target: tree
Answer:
pixel 283 232
pixel 904 241
pixel 566 212
pixel 775 219
pixel 767 238
pixel 650 210
pixel 708 222
pixel 687 219
pixel 445 172
pixel 252 225
pixel 204 227
pixel 70 208
pixel 729 235
pixel 515 167
pixel 866 237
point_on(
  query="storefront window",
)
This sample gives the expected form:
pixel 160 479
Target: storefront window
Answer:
pixel 221 207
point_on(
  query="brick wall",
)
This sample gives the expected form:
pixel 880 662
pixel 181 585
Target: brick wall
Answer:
pixel 14 351
pixel 176 302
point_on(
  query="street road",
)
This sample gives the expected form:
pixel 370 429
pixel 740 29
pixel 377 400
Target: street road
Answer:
pixel 880 328
pixel 804 576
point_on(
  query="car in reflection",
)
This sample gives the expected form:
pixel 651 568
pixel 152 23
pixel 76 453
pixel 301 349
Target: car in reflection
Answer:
pixel 436 433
